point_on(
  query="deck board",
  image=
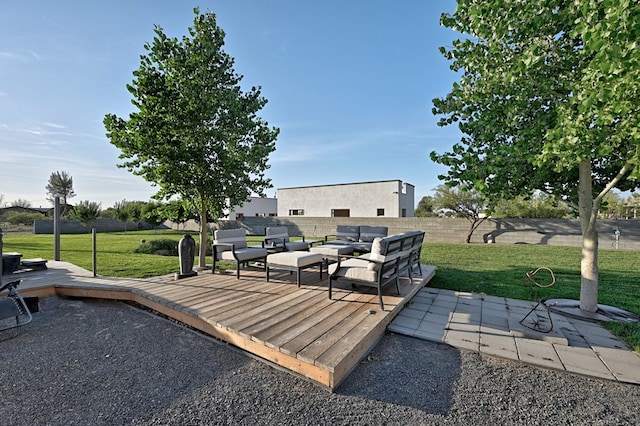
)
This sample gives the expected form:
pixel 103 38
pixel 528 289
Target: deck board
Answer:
pixel 300 329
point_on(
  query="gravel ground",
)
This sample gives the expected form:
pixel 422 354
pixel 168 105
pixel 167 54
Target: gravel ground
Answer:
pixel 86 362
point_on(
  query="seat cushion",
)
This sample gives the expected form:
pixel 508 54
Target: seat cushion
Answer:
pixel 332 249
pixel 354 269
pixel 297 259
pixel 244 254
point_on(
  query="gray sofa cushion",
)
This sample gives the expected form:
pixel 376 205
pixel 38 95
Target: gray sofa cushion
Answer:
pixel 368 233
pixel 347 232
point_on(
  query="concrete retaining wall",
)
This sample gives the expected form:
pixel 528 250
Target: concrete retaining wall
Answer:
pixel 563 232
pixel 560 232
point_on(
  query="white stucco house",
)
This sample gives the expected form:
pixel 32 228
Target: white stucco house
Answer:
pixel 387 198
pixel 254 206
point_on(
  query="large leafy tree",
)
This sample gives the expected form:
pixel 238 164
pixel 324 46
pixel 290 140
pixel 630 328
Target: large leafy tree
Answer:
pixel 196 134
pixel 547 100
pixel 60 185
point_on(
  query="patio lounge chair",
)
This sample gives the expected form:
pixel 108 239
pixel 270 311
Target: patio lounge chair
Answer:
pixel 231 244
pixel 13 307
pixel 277 237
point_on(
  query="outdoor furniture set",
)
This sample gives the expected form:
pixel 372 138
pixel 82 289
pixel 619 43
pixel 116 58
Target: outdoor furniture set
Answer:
pixel 381 261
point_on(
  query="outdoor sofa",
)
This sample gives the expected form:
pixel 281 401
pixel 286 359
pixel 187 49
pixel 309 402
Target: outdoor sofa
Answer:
pixel 389 258
pixel 360 238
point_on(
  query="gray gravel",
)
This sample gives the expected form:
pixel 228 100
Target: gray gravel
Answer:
pixel 87 362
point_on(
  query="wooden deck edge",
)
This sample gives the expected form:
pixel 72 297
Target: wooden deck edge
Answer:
pixel 364 347
pixel 47 290
pixel 114 293
pixel 285 361
pixel 329 378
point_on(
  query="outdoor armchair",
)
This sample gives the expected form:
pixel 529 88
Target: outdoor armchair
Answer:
pixel 277 237
pixel 231 245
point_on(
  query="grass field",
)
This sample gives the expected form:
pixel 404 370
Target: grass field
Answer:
pixel 492 269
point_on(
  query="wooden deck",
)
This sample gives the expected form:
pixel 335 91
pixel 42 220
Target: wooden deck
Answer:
pixel 299 329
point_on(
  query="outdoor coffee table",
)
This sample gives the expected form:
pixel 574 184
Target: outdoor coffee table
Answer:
pixel 294 261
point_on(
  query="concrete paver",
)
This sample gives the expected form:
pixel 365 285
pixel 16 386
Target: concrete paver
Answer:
pixel 491 325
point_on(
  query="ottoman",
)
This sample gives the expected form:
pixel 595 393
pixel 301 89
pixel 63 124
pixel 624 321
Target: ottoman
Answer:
pixel 330 252
pixel 294 261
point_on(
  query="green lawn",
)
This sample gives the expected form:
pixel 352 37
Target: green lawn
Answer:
pixel 492 269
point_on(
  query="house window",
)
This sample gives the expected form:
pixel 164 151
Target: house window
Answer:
pixel 296 212
pixel 340 213
pixel 404 212
pixel 380 212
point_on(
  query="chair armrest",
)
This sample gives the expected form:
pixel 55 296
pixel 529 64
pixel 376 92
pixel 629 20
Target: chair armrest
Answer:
pixel 312 242
pixel 230 246
pixel 272 241
pixel 224 245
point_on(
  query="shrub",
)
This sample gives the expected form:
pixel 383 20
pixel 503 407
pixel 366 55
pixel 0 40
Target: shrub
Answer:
pixel 17 218
pixel 164 245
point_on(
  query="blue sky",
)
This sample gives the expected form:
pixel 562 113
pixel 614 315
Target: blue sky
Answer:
pixel 349 84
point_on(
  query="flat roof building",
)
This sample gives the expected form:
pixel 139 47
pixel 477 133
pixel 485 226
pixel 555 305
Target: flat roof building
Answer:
pixel 254 206
pixel 388 198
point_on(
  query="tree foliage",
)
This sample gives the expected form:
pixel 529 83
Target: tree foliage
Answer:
pixel 60 185
pixel 425 207
pixel 21 203
pixel 122 212
pixel 547 100
pixel 153 214
pixel 463 202
pixel 539 205
pixel 177 211
pixel 196 134
pixel 86 212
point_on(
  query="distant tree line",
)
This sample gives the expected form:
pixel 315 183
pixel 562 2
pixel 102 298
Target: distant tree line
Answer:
pixel 467 203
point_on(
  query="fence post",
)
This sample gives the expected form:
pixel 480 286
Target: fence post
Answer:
pixel 95 258
pixel 56 229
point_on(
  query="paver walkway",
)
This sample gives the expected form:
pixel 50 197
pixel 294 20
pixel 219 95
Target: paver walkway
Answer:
pixel 491 325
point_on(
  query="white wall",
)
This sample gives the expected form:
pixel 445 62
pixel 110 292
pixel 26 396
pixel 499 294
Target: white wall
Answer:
pixel 255 206
pixel 362 199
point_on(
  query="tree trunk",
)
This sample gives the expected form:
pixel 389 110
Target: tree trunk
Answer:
pixel 588 210
pixel 202 263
